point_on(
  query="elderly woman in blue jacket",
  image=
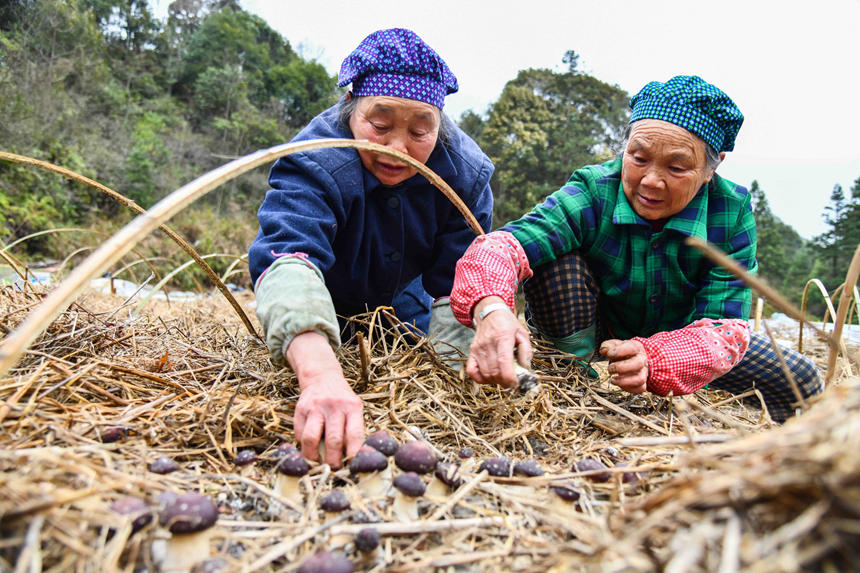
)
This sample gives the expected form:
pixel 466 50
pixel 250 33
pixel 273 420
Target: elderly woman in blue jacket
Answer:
pixel 343 231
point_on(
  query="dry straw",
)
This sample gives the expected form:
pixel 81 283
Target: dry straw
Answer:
pixel 95 393
pixel 188 382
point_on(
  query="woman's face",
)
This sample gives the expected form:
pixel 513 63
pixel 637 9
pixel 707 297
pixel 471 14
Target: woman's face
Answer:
pixel 664 166
pixel 405 125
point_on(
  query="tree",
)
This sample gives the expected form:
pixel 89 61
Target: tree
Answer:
pixel 782 255
pixel 836 246
pixel 544 126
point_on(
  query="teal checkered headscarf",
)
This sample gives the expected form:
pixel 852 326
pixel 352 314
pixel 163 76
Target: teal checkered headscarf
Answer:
pixel 695 105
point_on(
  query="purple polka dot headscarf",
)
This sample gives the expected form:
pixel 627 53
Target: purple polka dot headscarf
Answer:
pixel 397 63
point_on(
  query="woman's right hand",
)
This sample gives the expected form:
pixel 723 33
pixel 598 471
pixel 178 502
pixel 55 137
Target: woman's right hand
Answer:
pixel 491 354
pixel 327 406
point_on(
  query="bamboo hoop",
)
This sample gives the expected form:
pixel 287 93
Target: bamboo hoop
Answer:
pixel 175 272
pixel 842 311
pixel 14 345
pixel 119 197
pixel 827 301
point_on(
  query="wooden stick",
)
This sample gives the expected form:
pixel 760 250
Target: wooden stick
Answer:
pixel 420 526
pixel 623 412
pixel 645 442
pixel 842 312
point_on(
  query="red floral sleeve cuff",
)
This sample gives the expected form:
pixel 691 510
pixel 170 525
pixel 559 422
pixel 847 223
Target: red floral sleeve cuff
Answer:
pixel 685 360
pixel 494 264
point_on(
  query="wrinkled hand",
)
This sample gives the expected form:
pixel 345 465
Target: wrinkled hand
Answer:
pixel 628 362
pixel 327 405
pixel 491 354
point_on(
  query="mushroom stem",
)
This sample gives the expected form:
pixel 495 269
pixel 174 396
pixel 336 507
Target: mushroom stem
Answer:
pixel 288 488
pixel 183 551
pixel 375 484
pixel 336 540
pixel 405 508
pixel 437 490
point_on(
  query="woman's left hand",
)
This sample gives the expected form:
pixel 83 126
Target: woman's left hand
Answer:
pixel 628 362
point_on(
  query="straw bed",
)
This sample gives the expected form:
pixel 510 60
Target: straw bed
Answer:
pixel 720 487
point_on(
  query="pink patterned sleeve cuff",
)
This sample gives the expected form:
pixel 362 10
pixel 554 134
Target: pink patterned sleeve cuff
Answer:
pixel 494 264
pixel 685 360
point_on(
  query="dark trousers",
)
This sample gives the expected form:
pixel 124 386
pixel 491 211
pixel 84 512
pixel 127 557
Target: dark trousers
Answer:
pixel 562 299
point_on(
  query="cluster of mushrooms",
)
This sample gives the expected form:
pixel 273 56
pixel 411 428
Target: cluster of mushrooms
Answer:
pixel 370 486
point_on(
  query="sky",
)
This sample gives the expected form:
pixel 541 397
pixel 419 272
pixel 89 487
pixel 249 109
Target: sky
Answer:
pixel 793 67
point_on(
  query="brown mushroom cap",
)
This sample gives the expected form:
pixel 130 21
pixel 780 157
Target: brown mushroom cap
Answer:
pixel 383 442
pixel 334 501
pixel 293 464
pixel 136 508
pixel 113 434
pixel 245 457
pixel 528 468
pixel 284 449
pixel 410 484
pixel 415 457
pixel 163 465
pixel 592 464
pixel 498 467
pixel 565 491
pixel 326 562
pixel 367 539
pixel 188 513
pixel 368 460
pixel 627 477
pixel 447 473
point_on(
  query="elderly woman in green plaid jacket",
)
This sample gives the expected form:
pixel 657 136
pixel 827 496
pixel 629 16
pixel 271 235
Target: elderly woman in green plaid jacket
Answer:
pixel 605 269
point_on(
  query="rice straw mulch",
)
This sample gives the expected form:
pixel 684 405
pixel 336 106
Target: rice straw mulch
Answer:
pixel 703 482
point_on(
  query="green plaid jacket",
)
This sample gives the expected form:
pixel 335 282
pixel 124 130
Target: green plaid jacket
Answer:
pixel 649 281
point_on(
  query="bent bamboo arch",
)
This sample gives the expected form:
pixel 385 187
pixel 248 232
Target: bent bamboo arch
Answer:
pixel 16 343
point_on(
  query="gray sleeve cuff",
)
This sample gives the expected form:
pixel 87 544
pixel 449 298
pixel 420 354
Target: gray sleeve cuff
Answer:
pixel 450 339
pixel 292 298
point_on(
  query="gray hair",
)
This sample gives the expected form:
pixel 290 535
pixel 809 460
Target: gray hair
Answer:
pixel 712 158
pixel 347 106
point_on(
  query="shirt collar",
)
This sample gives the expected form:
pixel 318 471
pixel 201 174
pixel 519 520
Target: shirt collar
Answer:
pixel 689 221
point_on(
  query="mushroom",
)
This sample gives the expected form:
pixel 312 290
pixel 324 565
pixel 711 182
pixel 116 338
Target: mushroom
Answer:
pixel 415 457
pixel 284 449
pixel 333 503
pixel 326 562
pixel 244 460
pixel 526 468
pixel 468 456
pixel 409 487
pixel 371 468
pixel 627 477
pixel 290 470
pixel 445 478
pixel 163 465
pixel 498 467
pixel 367 543
pixel 113 434
pixel 188 517
pixel 134 509
pixel 565 491
pixel 383 442
pixel 592 465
